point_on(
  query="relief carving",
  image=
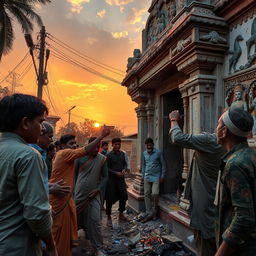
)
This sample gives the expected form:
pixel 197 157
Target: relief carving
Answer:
pixel 161 16
pixel 214 38
pixel 181 45
pixel 243 96
pixel 237 52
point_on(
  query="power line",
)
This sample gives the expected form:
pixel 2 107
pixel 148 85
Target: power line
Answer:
pixel 23 59
pixel 82 55
pixel 69 60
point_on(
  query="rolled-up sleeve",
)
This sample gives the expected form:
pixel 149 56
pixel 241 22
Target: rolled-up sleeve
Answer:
pixel 243 220
pixel 33 196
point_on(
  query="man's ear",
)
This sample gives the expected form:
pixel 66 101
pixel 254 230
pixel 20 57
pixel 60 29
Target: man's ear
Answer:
pixel 25 123
pixel 224 132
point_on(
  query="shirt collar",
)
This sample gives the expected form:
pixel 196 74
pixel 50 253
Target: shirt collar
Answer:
pixel 234 149
pixel 12 135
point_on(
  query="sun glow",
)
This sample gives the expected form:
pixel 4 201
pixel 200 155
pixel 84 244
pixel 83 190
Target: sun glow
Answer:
pixel 96 125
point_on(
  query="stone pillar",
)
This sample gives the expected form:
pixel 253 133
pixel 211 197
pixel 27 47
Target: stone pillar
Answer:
pixel 142 131
pixel 184 204
pixel 150 107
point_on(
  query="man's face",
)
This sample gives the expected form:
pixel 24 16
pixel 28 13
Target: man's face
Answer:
pixel 95 151
pixel 70 144
pixel 33 129
pixel 149 147
pixel 116 146
pixel 105 147
pixel 45 140
pixel 221 131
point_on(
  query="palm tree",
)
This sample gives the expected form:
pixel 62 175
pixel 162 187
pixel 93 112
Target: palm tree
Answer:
pixel 22 11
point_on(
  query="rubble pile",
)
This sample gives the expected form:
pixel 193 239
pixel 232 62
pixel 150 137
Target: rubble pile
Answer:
pixel 136 238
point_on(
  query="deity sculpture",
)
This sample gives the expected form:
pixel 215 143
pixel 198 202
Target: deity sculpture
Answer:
pixel 235 99
pixel 252 105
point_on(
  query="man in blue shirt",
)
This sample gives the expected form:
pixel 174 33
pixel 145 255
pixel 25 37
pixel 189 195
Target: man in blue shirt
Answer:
pixel 153 171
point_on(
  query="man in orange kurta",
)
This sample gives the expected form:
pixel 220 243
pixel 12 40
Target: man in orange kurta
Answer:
pixel 63 208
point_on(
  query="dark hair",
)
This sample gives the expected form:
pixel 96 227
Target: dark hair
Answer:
pixel 104 143
pixel 64 139
pixel 92 139
pixel 149 140
pixel 57 143
pixel 116 140
pixel 51 147
pixel 17 106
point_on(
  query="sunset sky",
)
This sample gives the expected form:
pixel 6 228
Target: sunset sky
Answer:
pixel 104 30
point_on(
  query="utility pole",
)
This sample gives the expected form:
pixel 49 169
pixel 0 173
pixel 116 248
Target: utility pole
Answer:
pixel 43 60
pixel 69 115
pixel 41 72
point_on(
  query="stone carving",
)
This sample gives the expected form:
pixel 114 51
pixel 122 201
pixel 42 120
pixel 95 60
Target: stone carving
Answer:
pixel 214 38
pixel 252 39
pixel 252 103
pixel 236 98
pixel 136 57
pixel 236 54
pixel 242 96
pixel 160 17
pixel 181 45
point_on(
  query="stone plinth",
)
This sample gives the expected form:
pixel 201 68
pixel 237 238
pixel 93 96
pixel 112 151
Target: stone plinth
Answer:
pixel 179 221
pixel 136 195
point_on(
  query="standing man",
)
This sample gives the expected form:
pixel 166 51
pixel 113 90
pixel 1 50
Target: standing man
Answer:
pixel 116 187
pixel 152 172
pixel 63 209
pixel 92 177
pixel 236 200
pixel 201 183
pixel 24 208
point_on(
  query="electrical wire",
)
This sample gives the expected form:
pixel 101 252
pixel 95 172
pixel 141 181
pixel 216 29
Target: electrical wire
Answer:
pixel 22 60
pixel 82 55
pixel 69 60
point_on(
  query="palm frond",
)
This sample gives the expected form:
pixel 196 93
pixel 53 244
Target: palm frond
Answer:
pixel 28 11
pixel 23 20
pixel 6 33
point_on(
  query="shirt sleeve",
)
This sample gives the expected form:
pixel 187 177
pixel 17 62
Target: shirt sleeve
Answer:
pixel 70 155
pixel 143 166
pixel 163 165
pixel 33 196
pixel 243 219
pixel 196 142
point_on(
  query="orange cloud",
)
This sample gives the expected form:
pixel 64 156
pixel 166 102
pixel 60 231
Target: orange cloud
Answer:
pixel 118 2
pixel 77 5
pixel 135 15
pixel 102 13
pixel 121 34
pixel 88 87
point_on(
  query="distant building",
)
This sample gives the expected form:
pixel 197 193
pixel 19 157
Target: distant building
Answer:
pixel 53 121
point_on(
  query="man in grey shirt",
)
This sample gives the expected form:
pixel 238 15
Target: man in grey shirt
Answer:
pixel 24 207
pixel 201 182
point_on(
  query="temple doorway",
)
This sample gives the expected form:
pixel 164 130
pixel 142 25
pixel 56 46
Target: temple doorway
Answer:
pixel 173 155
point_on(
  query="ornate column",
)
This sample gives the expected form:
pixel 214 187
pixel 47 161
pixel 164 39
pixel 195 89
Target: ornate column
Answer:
pixel 150 107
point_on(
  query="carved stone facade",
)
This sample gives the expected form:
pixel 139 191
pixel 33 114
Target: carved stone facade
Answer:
pixel 196 56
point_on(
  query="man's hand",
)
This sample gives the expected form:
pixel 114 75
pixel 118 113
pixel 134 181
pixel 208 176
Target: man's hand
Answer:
pixel 120 174
pixel 59 188
pixel 174 116
pixel 105 132
pixel 125 172
pixel 161 180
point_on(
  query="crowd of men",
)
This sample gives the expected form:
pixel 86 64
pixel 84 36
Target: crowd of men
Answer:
pixel 50 191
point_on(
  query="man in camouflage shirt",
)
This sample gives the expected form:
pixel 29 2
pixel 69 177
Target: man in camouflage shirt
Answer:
pixel 235 197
